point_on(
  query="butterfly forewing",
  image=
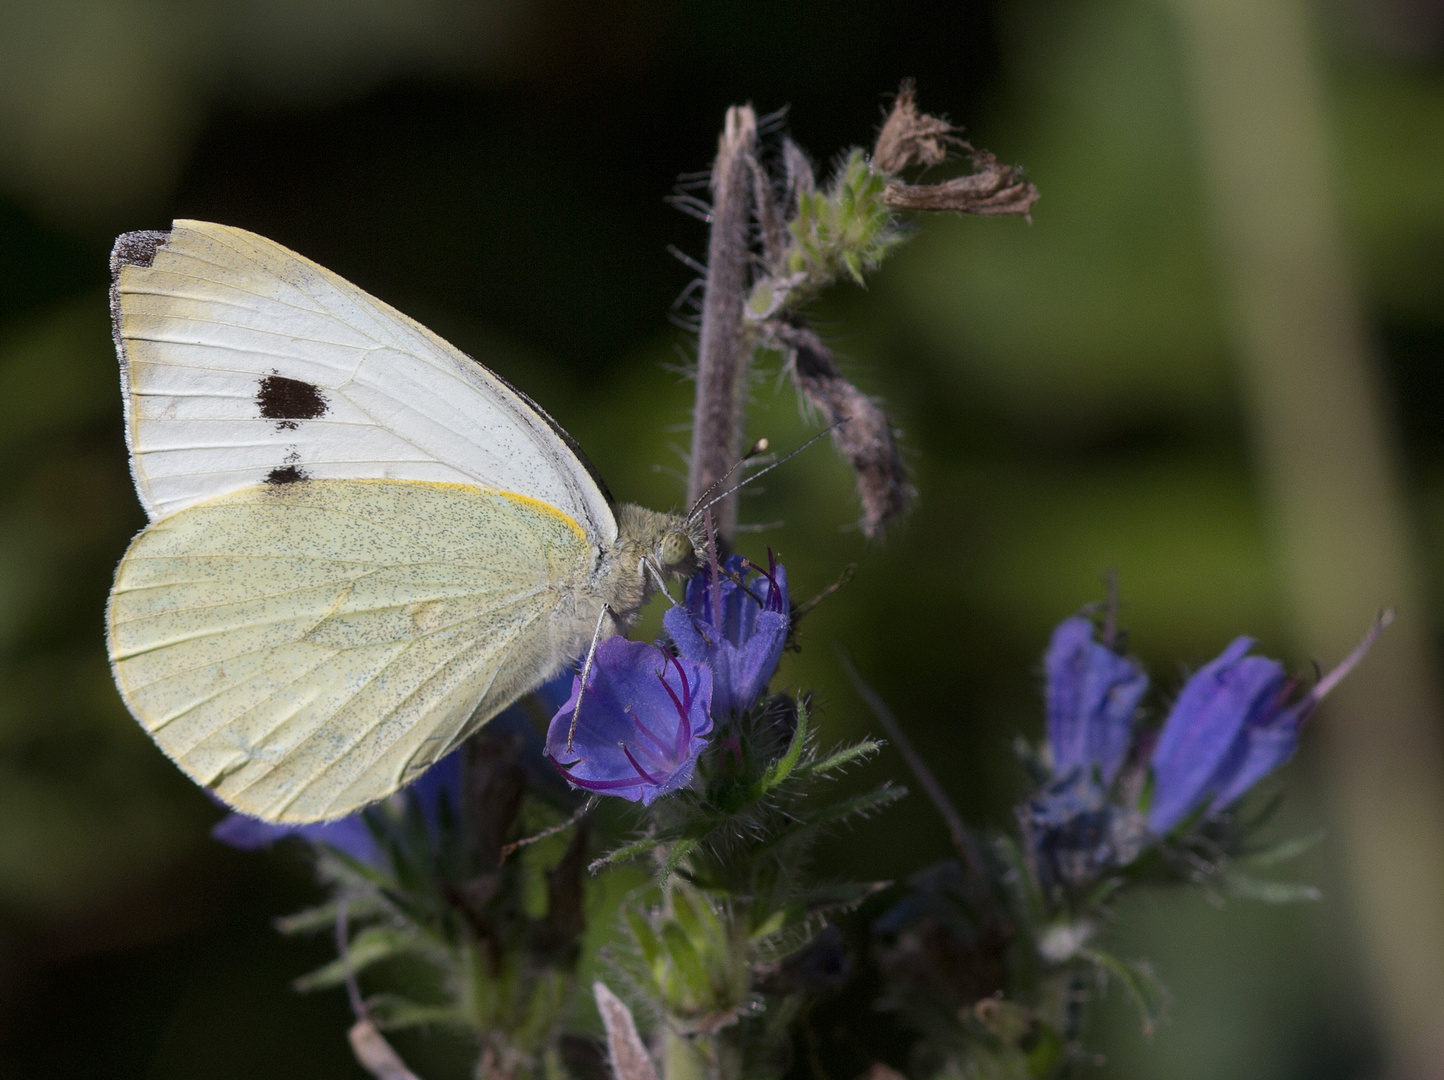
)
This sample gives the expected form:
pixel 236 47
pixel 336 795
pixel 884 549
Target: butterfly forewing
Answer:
pixel 306 649
pixel 244 363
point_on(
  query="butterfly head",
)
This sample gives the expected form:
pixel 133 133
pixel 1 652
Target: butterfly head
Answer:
pixel 676 553
pixel 659 546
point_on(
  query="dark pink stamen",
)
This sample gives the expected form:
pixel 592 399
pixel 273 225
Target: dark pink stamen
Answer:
pixel 647 734
pixel 654 781
pixel 589 785
pixel 684 729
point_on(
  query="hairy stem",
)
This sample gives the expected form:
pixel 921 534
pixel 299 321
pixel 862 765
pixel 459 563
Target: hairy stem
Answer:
pixel 723 352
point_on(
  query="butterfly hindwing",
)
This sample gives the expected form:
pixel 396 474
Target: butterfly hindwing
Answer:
pixel 306 649
pixel 244 364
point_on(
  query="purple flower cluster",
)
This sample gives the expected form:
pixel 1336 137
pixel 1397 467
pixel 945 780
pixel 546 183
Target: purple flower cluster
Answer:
pixel 1235 721
pixel 647 711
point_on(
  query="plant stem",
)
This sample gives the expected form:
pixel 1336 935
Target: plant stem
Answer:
pixel 1329 469
pixel 963 842
pixel 723 353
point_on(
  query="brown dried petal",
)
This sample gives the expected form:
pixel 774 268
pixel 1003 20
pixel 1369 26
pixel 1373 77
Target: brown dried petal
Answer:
pixel 863 436
pixel 629 1057
pixel 374 1053
pixel 993 188
pixel 910 137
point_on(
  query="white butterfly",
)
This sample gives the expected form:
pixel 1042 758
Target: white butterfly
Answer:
pixel 363 544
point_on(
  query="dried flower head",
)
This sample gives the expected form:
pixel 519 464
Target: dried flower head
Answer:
pixel 910 137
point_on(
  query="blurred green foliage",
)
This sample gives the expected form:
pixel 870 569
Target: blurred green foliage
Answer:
pixel 1064 390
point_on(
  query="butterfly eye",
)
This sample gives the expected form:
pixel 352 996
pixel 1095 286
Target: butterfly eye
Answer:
pixel 676 549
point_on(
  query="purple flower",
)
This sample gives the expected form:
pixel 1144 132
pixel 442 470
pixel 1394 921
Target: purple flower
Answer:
pixel 1232 725
pixel 737 626
pixel 1092 694
pixel 441 782
pixel 349 834
pixel 644 718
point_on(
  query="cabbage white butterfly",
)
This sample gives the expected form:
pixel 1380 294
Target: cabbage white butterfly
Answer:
pixel 362 543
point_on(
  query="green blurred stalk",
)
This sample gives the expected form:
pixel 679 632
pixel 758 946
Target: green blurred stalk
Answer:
pixel 1329 472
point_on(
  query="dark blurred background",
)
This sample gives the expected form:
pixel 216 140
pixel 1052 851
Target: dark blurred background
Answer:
pixel 1085 394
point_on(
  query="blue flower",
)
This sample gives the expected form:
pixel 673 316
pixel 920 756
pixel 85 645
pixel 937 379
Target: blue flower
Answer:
pixel 1233 723
pixel 737 626
pixel 644 719
pixel 1091 694
pixel 349 834
pixel 440 783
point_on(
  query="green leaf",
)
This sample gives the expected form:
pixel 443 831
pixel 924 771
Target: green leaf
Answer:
pixel 689 833
pixel 1245 887
pixel 685 912
pixel 786 940
pixel 840 897
pixel 309 920
pixel 1148 994
pixel 645 937
pixel 370 946
pixel 323 916
pixel 775 922
pixel 1283 851
pixel 782 768
pixel 680 851
pixel 839 759
pixel 687 963
pixel 857 806
pixel 392 1011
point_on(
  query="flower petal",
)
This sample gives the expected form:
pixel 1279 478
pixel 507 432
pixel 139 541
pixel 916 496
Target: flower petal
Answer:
pixel 1204 729
pixel 643 720
pixel 1092 694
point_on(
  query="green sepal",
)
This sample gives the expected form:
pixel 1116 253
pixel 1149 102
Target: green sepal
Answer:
pixel 370 946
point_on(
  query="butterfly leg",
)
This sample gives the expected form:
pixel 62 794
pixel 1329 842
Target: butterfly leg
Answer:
pixel 587 673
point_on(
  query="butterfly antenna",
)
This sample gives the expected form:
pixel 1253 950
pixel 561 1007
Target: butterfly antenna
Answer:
pixel 759 447
pixel 763 471
pixel 586 674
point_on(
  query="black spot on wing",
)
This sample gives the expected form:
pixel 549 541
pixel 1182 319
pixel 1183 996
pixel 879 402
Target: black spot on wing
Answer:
pixel 287 474
pixel 131 249
pixel 288 400
pixel 136 249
